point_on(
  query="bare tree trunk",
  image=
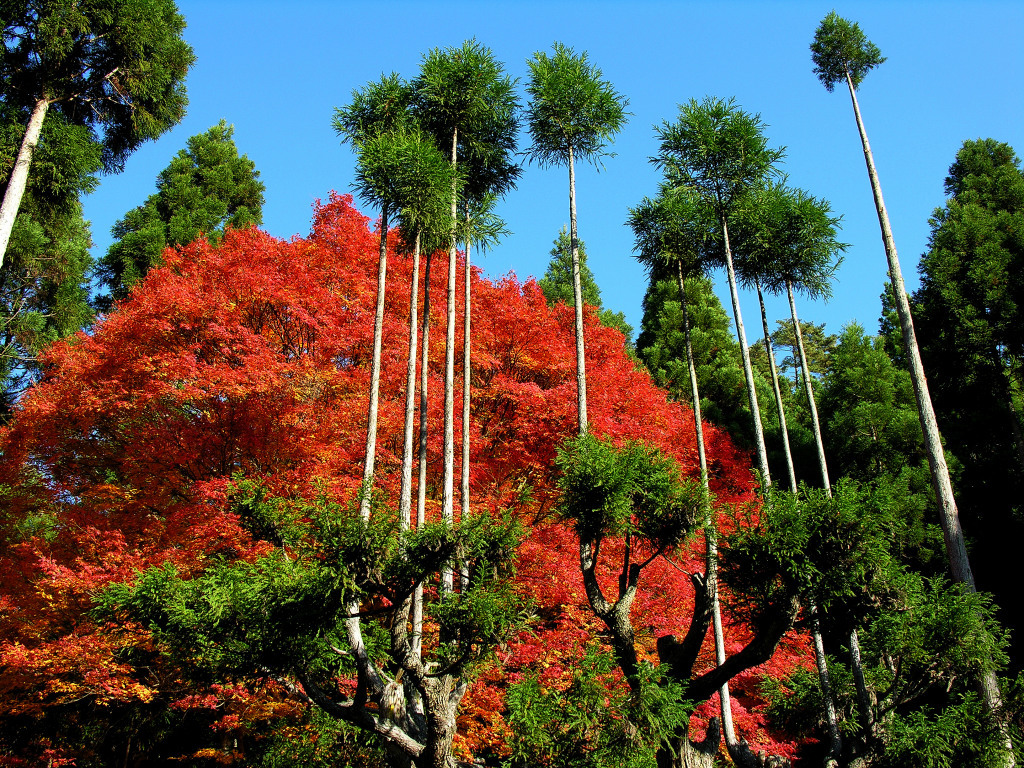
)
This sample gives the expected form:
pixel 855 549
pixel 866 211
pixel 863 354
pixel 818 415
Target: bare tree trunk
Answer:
pixel 748 372
pixel 378 333
pixel 827 694
pixel 19 176
pixel 448 479
pixel 809 390
pixel 466 375
pixel 405 492
pixel 711 537
pixel 863 697
pixel 770 351
pixel 577 292
pixel 421 488
pixel 956 550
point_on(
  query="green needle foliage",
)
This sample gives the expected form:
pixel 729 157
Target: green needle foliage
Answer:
pixel 592 722
pixel 206 188
pixel 573 112
pixel 840 50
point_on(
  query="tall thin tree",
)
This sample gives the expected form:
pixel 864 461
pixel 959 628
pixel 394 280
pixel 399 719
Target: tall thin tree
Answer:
pixel 379 109
pixel 720 151
pixel 842 53
pixel 573 113
pixel 468 103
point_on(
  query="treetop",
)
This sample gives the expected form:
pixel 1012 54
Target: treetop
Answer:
pixel 840 49
pixel 572 109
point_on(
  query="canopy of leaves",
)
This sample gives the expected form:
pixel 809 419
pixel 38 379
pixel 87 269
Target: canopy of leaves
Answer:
pixel 572 110
pixel 115 66
pixel 206 188
pixel 716 149
pixel 840 50
pixel 252 356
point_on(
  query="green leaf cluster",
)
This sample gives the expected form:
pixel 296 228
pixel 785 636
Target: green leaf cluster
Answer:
pixel 632 490
pixel 594 721
pixel 207 188
pixel 572 111
pixel 840 50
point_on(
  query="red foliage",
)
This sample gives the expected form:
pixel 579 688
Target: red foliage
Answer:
pixel 252 357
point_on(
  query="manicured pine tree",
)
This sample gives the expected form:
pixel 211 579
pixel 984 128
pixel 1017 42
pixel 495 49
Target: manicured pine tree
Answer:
pixel 842 53
pixel 718 150
pixel 206 188
pixel 465 100
pixel 573 113
pixel 115 67
pixel 379 109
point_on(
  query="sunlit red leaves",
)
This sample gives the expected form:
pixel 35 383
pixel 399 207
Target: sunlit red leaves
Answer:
pixel 253 358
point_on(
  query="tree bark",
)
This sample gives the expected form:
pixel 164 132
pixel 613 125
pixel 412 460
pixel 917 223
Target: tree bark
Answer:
pixel 956 550
pixel 405 492
pixel 808 388
pixel 711 537
pixel 421 488
pixel 466 375
pixel 448 478
pixel 748 372
pixel 779 407
pixel 19 176
pixel 577 292
pixel 378 332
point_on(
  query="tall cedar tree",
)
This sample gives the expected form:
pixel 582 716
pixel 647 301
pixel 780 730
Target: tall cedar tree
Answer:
pixel 44 280
pixel 380 108
pixel 572 113
pixel 206 188
pixel 719 151
pixel 467 102
pixel 842 53
pixel 674 232
pixel 115 67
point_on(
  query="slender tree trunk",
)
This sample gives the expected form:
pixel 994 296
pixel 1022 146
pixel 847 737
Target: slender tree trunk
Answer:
pixel 466 376
pixel 577 292
pixel 405 492
pixel 748 371
pixel 710 533
pixel 863 697
pixel 779 407
pixel 448 480
pixel 956 550
pixel 808 388
pixel 827 694
pixel 378 333
pixel 19 176
pixel 421 488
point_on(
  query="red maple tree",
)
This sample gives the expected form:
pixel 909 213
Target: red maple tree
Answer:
pixel 252 358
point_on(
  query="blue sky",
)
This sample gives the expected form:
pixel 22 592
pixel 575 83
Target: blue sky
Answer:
pixel 277 70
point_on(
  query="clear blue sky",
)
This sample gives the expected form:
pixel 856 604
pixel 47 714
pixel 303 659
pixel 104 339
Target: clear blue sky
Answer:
pixel 277 70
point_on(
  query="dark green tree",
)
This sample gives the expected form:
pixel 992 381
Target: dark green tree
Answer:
pixel 206 188
pixel 557 284
pixel 969 317
pixel 573 113
pixel 44 280
pixel 114 67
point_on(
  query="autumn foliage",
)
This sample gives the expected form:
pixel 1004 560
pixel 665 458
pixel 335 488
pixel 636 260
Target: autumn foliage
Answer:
pixel 251 359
